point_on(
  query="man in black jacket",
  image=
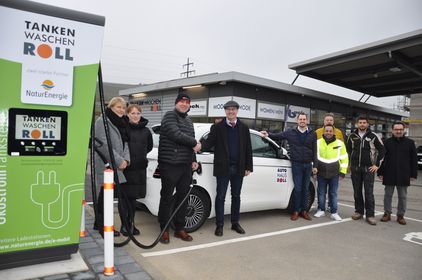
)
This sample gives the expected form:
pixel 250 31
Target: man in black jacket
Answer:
pixel 365 151
pixel 397 169
pixel 176 158
pixel 232 161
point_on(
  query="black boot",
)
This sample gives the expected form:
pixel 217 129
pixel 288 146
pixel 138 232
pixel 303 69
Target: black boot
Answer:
pixel 136 231
pixel 124 231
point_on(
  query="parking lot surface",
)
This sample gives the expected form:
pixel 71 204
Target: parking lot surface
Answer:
pixel 276 248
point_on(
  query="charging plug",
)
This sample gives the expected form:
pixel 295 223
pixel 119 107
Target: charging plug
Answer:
pixel 45 192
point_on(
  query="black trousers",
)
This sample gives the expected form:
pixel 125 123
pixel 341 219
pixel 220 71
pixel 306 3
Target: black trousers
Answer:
pixel 127 212
pixel 362 177
pixel 177 176
pixel 124 209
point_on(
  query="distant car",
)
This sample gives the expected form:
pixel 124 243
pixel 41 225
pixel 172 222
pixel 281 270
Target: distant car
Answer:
pixel 419 155
pixel 268 187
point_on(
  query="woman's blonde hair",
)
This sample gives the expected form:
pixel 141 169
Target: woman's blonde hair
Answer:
pixel 115 100
pixel 131 106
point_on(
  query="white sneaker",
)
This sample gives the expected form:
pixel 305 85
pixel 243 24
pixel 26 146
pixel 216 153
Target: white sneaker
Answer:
pixel 319 214
pixel 336 217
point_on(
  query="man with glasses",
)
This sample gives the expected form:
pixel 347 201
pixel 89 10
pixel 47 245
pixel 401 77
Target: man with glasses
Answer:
pixel 232 161
pixel 398 168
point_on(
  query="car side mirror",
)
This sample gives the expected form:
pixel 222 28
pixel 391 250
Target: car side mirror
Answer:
pixel 282 153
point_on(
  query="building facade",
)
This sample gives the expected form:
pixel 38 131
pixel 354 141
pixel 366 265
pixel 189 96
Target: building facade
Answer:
pixel 264 104
pixel 415 121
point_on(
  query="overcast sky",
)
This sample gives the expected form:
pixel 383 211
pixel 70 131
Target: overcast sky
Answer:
pixel 148 41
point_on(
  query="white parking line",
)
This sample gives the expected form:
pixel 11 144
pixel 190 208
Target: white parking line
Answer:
pixel 379 213
pixel 219 243
pixel 263 235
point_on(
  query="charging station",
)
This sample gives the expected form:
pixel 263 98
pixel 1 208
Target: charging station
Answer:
pixel 49 59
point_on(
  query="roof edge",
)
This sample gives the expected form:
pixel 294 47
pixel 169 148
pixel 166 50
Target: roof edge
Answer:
pixel 406 39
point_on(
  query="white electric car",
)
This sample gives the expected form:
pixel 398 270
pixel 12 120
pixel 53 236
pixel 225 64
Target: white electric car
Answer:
pixel 268 187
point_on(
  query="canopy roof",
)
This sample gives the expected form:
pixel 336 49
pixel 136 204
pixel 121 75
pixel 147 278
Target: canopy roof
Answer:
pixel 383 68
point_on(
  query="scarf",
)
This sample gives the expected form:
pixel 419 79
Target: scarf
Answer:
pixel 120 122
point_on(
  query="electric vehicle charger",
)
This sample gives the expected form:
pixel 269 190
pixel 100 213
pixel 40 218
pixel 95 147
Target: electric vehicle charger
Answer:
pixel 123 201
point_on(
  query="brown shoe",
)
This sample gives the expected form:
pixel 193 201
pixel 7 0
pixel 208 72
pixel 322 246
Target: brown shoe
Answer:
pixel 294 216
pixel 386 217
pixel 165 239
pixel 182 234
pixel 306 216
pixel 401 220
pixel 357 216
pixel 371 221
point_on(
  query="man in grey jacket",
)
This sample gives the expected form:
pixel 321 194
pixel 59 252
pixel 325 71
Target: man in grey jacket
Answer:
pixel 176 157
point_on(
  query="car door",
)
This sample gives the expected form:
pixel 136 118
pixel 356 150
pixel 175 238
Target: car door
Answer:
pixel 270 184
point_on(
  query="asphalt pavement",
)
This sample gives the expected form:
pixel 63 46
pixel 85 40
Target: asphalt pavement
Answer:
pixel 273 247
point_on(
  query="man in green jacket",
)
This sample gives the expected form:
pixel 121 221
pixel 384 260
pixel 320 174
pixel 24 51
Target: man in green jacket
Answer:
pixel 332 162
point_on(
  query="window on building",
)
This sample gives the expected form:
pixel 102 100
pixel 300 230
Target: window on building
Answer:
pixel 317 118
pixel 269 125
pixel 340 121
pixel 249 122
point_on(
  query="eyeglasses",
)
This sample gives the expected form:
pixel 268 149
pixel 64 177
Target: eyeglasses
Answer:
pixel 398 129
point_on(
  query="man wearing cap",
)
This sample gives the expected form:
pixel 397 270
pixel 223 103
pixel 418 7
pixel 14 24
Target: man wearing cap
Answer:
pixel 176 157
pixel 232 161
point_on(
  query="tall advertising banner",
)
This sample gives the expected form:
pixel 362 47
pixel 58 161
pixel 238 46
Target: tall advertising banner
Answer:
pixel 49 60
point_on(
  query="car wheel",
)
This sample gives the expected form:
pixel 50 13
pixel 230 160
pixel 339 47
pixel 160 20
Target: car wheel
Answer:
pixel 310 199
pixel 197 211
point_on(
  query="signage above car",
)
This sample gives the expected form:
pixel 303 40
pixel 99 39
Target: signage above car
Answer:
pixel 247 106
pixel 198 108
pixel 293 111
pixel 270 111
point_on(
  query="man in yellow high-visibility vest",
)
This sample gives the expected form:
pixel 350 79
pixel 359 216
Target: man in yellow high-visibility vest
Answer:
pixel 332 162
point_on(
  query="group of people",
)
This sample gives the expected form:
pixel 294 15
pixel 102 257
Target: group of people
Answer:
pixel 327 155
pixel 323 153
pixel 177 150
pixel 176 157
pixel 131 142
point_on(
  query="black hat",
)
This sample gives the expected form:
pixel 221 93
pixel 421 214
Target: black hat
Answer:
pixel 182 96
pixel 231 103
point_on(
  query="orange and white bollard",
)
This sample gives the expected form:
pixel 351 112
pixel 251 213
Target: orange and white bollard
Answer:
pixel 108 222
pixel 82 230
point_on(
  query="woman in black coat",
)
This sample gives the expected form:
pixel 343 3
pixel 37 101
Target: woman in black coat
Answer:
pixel 140 144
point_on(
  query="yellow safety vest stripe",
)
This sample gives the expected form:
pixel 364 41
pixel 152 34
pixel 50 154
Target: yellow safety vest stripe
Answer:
pixel 327 153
